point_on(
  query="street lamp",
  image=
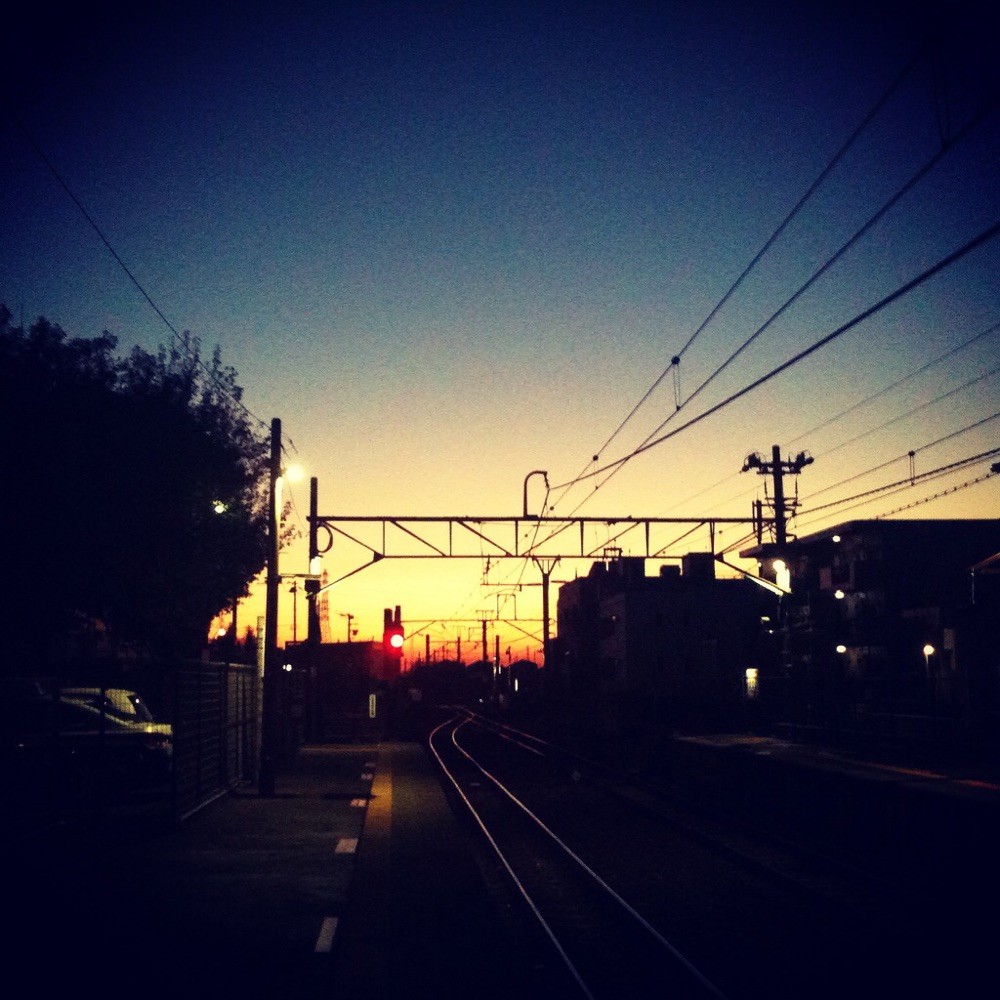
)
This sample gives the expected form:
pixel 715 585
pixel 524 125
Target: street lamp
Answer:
pixel 928 652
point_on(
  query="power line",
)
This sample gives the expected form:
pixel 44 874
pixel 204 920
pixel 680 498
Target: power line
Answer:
pixel 937 496
pixel 910 481
pixel 898 458
pixel 904 289
pixel 916 409
pixel 872 220
pixel 180 338
pixel 895 385
pixel 772 239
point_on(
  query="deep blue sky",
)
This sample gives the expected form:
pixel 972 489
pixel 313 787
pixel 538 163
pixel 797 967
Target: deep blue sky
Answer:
pixel 449 244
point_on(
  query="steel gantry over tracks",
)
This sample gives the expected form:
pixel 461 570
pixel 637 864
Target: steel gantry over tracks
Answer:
pixel 500 537
pixel 544 539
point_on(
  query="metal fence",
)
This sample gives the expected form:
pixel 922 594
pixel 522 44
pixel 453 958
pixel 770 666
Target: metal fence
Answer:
pixel 216 728
pixel 115 747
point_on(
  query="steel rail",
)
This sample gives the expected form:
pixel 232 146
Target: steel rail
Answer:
pixel 554 838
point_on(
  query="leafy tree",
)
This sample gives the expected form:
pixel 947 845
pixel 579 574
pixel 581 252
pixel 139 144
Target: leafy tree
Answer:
pixel 137 496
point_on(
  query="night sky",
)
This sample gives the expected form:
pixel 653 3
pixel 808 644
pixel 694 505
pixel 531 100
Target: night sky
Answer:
pixel 450 244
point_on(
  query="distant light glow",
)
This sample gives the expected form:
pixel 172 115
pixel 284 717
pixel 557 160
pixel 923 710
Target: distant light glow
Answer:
pixel 783 575
pixel 928 650
pixel 841 648
pixel 839 594
pixel 752 680
pixel 219 506
pixel 836 538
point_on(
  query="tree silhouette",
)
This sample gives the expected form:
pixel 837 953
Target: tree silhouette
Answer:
pixel 137 493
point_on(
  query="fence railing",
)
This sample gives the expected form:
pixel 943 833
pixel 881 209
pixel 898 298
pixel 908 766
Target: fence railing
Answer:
pixel 143 745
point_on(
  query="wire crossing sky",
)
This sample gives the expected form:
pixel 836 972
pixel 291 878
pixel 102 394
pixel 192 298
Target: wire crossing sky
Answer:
pixel 448 245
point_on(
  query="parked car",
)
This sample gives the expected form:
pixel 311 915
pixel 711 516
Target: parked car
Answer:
pixel 65 747
pixel 124 704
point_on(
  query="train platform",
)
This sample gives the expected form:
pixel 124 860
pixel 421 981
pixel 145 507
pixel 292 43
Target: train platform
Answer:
pixel 356 879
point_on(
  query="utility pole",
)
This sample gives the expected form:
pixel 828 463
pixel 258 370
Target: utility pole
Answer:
pixel 269 719
pixel 350 618
pixel 545 568
pixel 312 585
pixel 778 468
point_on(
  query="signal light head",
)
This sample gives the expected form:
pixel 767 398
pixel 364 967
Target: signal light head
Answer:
pixel 396 640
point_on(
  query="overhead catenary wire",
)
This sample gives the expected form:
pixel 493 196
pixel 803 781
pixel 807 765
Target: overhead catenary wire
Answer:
pixel 881 392
pixel 771 240
pixel 887 490
pixel 985 236
pixel 951 491
pixel 909 481
pixel 885 390
pixel 761 253
pixel 837 255
pixel 916 451
pixel 917 409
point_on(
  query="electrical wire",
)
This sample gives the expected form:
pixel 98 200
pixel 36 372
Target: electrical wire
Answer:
pixel 985 236
pixel 180 338
pixel 908 482
pixel 895 385
pixel 771 240
pixel 899 458
pixel 866 227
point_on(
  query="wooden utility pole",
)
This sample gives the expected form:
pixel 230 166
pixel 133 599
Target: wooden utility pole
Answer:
pixel 778 468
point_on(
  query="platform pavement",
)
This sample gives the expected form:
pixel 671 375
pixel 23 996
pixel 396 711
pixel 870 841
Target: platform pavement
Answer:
pixel 354 880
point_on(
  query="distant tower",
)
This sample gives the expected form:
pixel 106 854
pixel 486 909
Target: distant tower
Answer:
pixel 324 611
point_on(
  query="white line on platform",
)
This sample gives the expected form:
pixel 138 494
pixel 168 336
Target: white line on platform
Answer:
pixel 346 845
pixel 326 931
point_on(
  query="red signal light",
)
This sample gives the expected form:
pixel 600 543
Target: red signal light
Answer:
pixel 393 635
pixel 392 641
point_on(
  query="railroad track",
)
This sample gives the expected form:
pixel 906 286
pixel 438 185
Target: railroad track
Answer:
pixel 630 896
